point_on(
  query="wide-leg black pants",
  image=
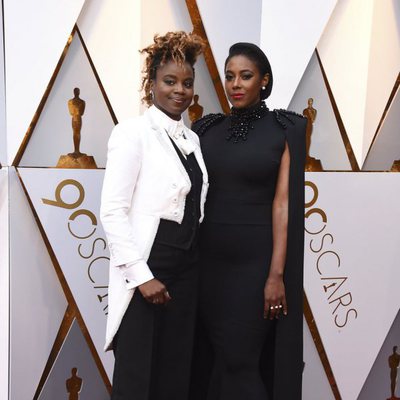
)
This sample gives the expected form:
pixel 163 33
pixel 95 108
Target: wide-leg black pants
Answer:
pixel 153 346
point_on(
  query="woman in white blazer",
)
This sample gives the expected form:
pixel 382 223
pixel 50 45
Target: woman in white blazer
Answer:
pixel 153 195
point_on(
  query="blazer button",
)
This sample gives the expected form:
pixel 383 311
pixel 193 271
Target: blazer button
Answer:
pixel 175 200
pixel 175 213
pixel 174 186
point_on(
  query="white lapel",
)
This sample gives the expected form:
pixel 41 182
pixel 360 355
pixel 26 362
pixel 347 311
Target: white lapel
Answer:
pixel 162 136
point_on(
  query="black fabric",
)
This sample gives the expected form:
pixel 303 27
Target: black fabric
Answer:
pixel 251 357
pixel 185 234
pixel 153 345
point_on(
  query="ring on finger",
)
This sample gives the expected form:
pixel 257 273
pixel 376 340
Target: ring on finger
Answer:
pixel 280 305
pixel 271 307
pixel 276 307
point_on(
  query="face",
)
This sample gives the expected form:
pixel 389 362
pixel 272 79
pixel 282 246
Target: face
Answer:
pixel 173 88
pixel 243 82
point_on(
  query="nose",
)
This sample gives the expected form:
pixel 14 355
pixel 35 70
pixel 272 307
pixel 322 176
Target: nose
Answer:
pixel 179 87
pixel 236 82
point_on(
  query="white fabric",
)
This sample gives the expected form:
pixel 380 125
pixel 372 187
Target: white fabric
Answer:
pixel 144 181
pixel 175 130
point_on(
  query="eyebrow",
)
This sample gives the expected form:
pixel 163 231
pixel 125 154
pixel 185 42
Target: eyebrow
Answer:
pixel 241 71
pixel 171 76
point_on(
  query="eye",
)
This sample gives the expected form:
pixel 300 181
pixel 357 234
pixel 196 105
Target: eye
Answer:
pixel 246 77
pixel 188 84
pixel 169 82
pixel 228 77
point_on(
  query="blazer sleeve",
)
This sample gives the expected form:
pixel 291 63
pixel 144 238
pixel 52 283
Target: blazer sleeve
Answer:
pixel 124 159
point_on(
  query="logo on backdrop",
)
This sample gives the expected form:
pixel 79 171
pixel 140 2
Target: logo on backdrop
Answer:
pixel 394 362
pixel 74 385
pixel 83 234
pixel 76 159
pixel 327 265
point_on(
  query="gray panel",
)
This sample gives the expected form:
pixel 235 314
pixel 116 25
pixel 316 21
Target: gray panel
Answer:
pixel 37 303
pixel 230 22
pixel 3 133
pixel 315 381
pixel 377 385
pixel 386 147
pixel 326 141
pixel 4 283
pixel 53 134
pixel 85 382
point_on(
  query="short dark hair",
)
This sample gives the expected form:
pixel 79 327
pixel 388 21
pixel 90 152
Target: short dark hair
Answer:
pixel 255 54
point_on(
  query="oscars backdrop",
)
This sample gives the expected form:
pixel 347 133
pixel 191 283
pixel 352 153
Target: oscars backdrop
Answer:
pixel 70 70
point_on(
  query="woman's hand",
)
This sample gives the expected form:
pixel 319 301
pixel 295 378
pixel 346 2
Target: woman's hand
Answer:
pixel 154 292
pixel 274 297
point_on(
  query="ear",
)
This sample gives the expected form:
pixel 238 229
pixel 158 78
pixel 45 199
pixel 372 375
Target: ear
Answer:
pixel 265 80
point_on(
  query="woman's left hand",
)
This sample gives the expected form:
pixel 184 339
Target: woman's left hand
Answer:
pixel 274 298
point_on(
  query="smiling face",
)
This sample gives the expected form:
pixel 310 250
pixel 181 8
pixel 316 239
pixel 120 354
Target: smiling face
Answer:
pixel 243 82
pixel 173 88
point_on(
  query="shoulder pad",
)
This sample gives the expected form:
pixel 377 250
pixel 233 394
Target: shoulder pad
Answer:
pixel 285 116
pixel 203 124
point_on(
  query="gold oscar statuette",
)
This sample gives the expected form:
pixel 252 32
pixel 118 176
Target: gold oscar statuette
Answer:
pixel 312 164
pixel 394 361
pixel 395 166
pixel 74 385
pixel 195 110
pixel 76 107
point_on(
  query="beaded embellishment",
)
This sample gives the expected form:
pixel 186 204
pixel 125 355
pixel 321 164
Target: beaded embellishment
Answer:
pixel 242 121
pixel 284 116
pixel 203 124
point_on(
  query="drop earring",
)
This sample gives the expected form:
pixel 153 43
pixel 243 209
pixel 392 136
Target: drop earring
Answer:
pixel 263 87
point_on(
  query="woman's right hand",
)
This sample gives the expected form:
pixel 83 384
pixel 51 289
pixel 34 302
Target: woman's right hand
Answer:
pixel 154 292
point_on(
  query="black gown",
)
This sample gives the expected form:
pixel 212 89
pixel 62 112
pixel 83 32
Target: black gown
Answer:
pixel 249 357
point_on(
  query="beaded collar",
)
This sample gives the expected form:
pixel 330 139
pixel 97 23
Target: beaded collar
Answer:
pixel 241 121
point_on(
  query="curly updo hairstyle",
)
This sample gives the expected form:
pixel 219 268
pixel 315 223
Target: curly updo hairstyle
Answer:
pixel 255 54
pixel 180 47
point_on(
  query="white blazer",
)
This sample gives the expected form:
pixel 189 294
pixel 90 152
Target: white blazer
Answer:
pixel 144 182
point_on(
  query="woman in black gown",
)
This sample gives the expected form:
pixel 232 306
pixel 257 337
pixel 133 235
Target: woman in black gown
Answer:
pixel 251 241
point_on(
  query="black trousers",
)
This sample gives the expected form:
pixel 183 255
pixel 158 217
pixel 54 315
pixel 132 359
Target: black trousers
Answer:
pixel 153 346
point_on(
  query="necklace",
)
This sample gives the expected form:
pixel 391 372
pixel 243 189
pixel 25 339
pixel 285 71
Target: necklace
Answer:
pixel 242 121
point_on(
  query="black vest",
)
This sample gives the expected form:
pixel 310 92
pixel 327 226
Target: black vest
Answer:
pixel 184 235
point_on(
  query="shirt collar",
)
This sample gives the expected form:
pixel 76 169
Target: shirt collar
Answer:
pixel 163 121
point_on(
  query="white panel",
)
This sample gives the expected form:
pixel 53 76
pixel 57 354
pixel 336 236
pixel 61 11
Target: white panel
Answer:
pixel 77 238
pixel 74 354
pixel 53 136
pixel 344 49
pixel 385 45
pixel 229 23
pixel 289 35
pixel 315 381
pixel 173 15
pixel 351 268
pixel 326 141
pixel 112 35
pixel 3 136
pixel 35 35
pixel 386 147
pixel 37 303
pixel 4 284
pixel 377 385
